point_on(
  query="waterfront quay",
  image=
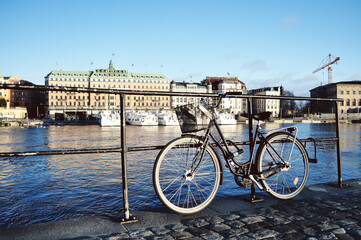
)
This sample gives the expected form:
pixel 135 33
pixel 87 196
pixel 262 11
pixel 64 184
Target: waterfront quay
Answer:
pixel 321 211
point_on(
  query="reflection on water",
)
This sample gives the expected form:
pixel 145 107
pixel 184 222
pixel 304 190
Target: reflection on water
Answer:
pixel 50 188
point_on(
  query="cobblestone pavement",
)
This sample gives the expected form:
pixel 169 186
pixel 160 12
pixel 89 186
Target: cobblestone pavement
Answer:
pixel 335 216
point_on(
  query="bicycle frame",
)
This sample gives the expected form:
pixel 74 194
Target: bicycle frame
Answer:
pixel 228 155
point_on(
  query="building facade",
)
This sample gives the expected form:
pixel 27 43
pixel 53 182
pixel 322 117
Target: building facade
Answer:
pixel 232 105
pixel 110 78
pixel 266 105
pixel 31 100
pixel 185 87
pixel 349 91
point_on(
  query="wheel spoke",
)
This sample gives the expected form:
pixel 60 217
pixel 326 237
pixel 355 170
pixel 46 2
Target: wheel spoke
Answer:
pixel 179 187
pixel 288 155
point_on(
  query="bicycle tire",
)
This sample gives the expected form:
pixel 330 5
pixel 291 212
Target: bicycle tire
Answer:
pixel 287 181
pixel 179 190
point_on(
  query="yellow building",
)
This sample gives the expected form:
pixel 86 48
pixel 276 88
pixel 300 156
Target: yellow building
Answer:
pixel 6 93
pixel 110 78
pixel 349 91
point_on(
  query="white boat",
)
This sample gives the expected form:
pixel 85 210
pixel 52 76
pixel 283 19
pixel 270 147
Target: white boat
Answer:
pixel 167 119
pixel 142 119
pixel 109 118
pixel 225 119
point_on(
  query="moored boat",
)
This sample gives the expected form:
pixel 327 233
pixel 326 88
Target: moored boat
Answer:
pixel 109 118
pixel 142 119
pixel 167 119
pixel 225 119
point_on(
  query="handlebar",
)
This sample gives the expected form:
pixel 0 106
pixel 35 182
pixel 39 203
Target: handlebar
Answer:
pixel 220 96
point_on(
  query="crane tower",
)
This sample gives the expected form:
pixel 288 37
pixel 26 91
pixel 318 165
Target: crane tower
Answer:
pixel 328 64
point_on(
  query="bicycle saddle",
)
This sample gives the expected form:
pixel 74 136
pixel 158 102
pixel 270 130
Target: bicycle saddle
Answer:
pixel 262 116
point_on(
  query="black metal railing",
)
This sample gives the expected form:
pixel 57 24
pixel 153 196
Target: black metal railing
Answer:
pixel 123 149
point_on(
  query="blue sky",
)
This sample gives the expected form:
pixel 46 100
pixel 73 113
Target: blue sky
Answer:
pixel 263 43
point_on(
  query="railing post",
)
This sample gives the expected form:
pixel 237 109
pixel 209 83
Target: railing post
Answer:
pixel 127 216
pixel 253 198
pixel 250 123
pixel 338 146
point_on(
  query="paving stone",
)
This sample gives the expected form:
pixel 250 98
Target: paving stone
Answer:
pixel 325 211
pixel 160 237
pixel 277 220
pixel 293 236
pixel 285 228
pixel 263 234
pixel 159 230
pixel 352 227
pixel 339 231
pixel 345 222
pixel 140 233
pixel 355 233
pixel 215 219
pixel 295 218
pixel 199 231
pixel 235 224
pixel 265 211
pixel 332 203
pixel 356 217
pixel 305 223
pixel 218 227
pixel 341 208
pixel 181 234
pixel 345 237
pixel 257 226
pixel 326 235
pixel 234 232
pixel 252 220
pixel 229 217
pixel 309 231
pixel 320 219
pixel 176 227
pixel 339 215
pixel 213 236
pixel 198 222
pixel 326 227
pixel 117 236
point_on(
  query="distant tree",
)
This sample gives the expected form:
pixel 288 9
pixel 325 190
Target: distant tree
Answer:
pixel 305 107
pixel 2 102
pixel 288 107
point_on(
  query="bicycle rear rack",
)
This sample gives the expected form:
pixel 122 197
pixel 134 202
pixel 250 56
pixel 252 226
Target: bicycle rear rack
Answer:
pixel 310 159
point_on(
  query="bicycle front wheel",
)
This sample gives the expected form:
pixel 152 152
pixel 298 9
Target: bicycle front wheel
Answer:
pixel 282 162
pixel 183 181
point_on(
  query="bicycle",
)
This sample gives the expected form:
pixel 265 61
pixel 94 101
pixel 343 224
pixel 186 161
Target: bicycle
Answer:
pixel 188 170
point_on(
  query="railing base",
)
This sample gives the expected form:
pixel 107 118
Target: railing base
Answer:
pixel 131 219
pixel 253 198
pixel 337 185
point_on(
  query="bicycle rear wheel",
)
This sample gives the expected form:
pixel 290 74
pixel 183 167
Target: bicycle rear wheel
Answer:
pixel 283 163
pixel 180 187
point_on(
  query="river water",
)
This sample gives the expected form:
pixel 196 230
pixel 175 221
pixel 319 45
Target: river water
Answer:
pixel 51 188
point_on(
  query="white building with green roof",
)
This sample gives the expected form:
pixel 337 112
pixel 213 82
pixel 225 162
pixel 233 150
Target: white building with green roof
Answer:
pixel 80 105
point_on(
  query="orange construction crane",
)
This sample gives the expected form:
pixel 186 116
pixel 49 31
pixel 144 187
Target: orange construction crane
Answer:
pixel 328 64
